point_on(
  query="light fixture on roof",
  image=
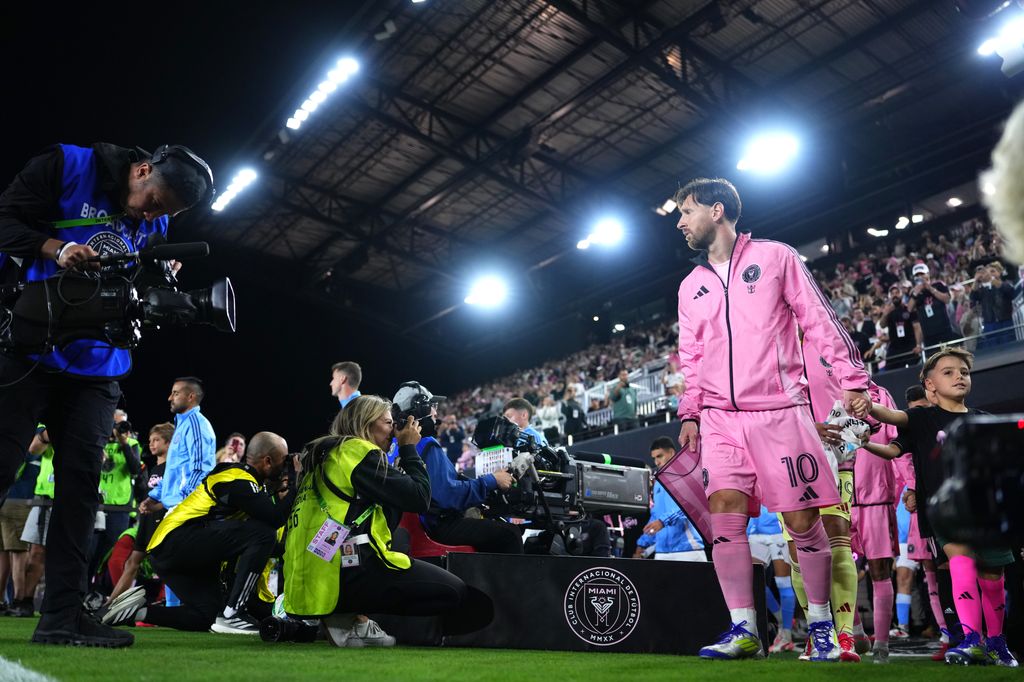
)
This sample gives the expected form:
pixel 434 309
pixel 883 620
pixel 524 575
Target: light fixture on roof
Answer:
pixel 824 248
pixel 954 202
pixel 343 69
pixel 1008 44
pixel 902 223
pixel 875 232
pixel 769 153
pixel 619 327
pixel 666 208
pixel 917 218
pixel 597 318
pixel 988 189
pixel 487 292
pixel 803 257
pixel 607 231
pixel 583 244
pixel 242 179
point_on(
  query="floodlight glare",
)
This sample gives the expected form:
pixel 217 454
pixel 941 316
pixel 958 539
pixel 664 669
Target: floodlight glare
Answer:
pixel 597 318
pixel 348 66
pixel 988 48
pixel 917 218
pixel 487 292
pixel 874 232
pixel 607 231
pixel 619 327
pixel 954 202
pixel 293 123
pixel 902 222
pixel 583 244
pixel 242 179
pixel 327 87
pixel 769 153
pixel 669 205
pixel 301 115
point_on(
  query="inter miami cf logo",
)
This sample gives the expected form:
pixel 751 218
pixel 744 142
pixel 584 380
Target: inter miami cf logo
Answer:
pixel 108 244
pixel 751 275
pixel 602 606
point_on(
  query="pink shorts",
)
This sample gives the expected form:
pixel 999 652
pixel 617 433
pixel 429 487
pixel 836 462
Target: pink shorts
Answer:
pixel 773 456
pixel 918 548
pixel 873 531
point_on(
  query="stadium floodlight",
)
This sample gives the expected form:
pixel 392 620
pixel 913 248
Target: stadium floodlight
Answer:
pixel 954 202
pixel 619 327
pixel 583 244
pixel 902 223
pixel 988 188
pixel 487 292
pixel 1008 44
pixel 607 231
pixel 803 257
pixel 824 248
pixel 769 153
pixel 669 205
pixel 917 218
pixel 242 179
pixel 875 232
pixel 343 69
pixel 597 318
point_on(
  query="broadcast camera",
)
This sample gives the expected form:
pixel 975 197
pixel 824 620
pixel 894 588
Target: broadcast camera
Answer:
pixel 981 500
pixel 552 485
pixel 113 304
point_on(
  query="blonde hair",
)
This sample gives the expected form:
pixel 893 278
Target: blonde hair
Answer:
pixel 1006 202
pixel 356 419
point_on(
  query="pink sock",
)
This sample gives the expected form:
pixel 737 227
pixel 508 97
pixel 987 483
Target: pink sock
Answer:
pixel 933 595
pixel 965 593
pixel 856 617
pixel 815 562
pixel 993 603
pixel 883 608
pixel 731 555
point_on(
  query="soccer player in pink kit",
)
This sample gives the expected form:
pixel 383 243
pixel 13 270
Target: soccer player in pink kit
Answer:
pixel 745 404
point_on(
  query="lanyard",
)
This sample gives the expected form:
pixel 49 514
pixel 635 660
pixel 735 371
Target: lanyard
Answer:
pixel 79 222
pixel 323 507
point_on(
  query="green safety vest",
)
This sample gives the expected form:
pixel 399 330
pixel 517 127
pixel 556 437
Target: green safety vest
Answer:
pixel 116 483
pixel 44 484
pixel 311 585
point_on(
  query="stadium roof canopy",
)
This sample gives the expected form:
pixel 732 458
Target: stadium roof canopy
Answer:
pixel 482 133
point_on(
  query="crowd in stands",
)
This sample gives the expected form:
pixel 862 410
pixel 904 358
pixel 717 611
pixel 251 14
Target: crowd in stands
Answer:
pixel 880 295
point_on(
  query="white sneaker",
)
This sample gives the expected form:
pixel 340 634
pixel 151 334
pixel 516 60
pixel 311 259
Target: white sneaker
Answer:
pixel 898 632
pixel 338 629
pixel 122 610
pixel 824 645
pixel 371 634
pixel 239 624
pixel 783 642
pixel 736 642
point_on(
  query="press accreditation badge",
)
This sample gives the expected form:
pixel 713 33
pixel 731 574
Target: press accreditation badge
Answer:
pixel 928 310
pixel 328 540
pixel 900 330
pixel 349 555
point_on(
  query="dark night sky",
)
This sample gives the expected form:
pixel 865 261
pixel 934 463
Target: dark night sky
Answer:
pixel 148 73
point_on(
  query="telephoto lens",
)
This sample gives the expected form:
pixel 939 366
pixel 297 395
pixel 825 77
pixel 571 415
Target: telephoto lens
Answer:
pixel 274 629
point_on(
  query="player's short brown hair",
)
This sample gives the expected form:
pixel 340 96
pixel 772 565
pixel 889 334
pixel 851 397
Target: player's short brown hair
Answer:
pixel 519 404
pixel 711 191
pixel 351 370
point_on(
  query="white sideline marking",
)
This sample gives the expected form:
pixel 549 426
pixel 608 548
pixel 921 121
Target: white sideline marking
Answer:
pixel 12 672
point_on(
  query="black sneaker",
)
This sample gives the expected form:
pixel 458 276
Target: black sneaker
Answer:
pixel 77 628
pixel 21 608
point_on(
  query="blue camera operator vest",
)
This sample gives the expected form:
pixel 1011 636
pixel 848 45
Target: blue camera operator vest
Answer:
pixel 83 207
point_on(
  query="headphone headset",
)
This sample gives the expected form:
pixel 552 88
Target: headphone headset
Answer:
pixel 420 406
pixel 192 159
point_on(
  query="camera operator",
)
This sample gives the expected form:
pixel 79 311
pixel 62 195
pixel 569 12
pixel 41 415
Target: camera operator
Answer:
pixel 120 465
pixel 68 205
pixel 450 494
pixel 928 299
pixel 349 487
pixel 232 517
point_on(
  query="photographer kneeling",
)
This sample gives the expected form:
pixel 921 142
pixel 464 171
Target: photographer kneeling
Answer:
pixel 451 495
pixel 349 489
pixel 231 517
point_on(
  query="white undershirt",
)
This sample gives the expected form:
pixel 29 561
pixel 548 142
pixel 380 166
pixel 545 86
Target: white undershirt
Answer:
pixel 722 269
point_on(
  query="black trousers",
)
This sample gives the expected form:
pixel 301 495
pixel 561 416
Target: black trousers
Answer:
pixel 483 535
pixel 421 590
pixel 189 561
pixel 78 415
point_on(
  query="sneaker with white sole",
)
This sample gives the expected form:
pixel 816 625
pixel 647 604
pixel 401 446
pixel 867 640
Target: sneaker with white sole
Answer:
pixel 338 628
pixel 999 653
pixel 122 610
pixel 736 642
pixel 880 653
pixel 824 644
pixel 899 632
pixel 783 642
pixel 239 624
pixel 371 634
